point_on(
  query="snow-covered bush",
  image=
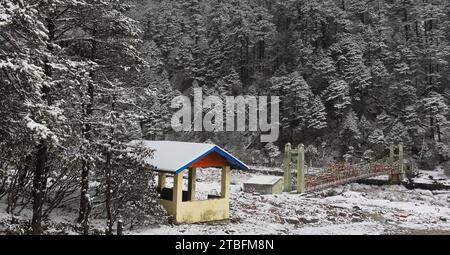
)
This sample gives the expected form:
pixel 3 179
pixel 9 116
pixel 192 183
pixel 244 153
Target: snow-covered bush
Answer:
pixel 311 153
pixel 368 155
pixel 136 198
pixel 273 152
pixel 349 132
pixel 433 154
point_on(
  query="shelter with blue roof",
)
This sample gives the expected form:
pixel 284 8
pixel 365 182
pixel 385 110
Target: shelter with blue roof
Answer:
pixel 180 158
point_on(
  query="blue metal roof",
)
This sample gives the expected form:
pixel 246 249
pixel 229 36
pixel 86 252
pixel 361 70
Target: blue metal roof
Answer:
pixel 236 163
pixel 174 157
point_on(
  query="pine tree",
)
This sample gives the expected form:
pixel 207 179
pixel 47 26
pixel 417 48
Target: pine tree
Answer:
pixel 25 88
pixel 156 92
pixel 229 85
pixel 273 152
pixel 351 65
pixel 300 108
pixel 316 117
pixel 436 109
pixel 350 133
pixel 338 95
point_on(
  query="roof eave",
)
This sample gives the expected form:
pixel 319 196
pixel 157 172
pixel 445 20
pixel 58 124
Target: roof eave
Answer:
pixel 232 160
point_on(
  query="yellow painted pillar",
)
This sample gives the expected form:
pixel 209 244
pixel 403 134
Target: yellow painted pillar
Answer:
pixel 393 177
pixel 177 194
pixel 191 183
pixel 226 179
pixel 301 168
pixel 287 167
pixel 400 162
pixel 161 181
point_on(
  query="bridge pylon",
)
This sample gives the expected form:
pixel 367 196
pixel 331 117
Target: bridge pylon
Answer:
pixel 301 168
pixel 287 168
pixel 398 176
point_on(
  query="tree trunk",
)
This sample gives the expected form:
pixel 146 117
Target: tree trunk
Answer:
pixel 39 186
pixel 84 191
pixel 438 131
pixel 40 174
pixel 19 184
pixel 86 219
pixel 85 167
pixel 85 164
pixel 432 127
pixel 108 194
pixel 108 170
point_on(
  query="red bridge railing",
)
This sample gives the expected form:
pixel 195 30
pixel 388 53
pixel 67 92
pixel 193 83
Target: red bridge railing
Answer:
pixel 341 173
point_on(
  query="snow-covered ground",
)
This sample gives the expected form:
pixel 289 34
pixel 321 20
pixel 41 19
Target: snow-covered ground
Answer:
pixel 433 177
pixel 349 209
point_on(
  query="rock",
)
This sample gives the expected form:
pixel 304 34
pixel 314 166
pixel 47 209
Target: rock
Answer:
pixel 314 220
pixel 303 220
pixel 357 208
pixel 236 219
pixel 306 221
pixel 356 214
pixel 355 219
pixel 292 221
pixel 339 207
pixel 401 215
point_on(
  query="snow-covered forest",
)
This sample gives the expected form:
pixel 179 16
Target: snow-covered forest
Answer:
pixel 80 79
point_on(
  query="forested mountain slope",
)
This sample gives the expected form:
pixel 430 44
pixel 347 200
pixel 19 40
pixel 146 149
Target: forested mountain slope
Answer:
pixel 352 75
pixel 79 79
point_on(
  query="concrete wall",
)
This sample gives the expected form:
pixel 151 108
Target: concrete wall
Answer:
pixel 199 211
pixel 264 189
pixel 277 188
pixel 203 210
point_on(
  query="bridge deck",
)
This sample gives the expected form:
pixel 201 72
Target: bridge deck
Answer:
pixel 342 181
pixel 337 174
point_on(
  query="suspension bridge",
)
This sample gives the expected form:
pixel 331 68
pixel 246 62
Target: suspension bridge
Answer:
pixel 338 173
pixel 344 173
